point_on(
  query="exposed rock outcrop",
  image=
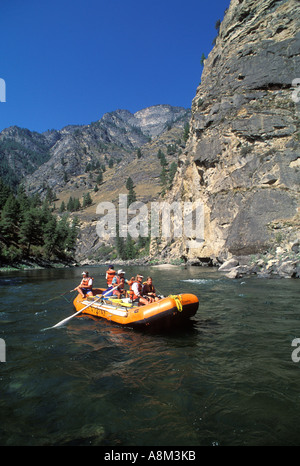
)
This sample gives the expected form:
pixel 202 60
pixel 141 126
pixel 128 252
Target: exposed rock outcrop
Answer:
pixel 242 159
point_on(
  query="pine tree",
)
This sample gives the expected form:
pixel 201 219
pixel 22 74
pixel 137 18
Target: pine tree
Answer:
pixel 160 154
pixel 129 184
pixel 76 204
pixel 62 231
pixel 23 200
pixel 70 205
pixel 10 217
pixel 172 172
pixel 131 193
pixel 87 200
pixel 186 132
pixel 99 178
pixel 62 207
pixel 130 248
pixel 50 195
pixel 163 180
pixel 71 238
pixel 163 160
pixel 31 229
pixel 50 236
pixel 5 191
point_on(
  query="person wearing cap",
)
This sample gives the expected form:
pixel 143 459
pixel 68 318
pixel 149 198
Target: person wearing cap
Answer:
pixel 85 286
pixel 120 291
pixel 117 278
pixel 137 289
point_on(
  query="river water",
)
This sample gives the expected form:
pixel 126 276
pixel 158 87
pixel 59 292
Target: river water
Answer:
pixel 228 378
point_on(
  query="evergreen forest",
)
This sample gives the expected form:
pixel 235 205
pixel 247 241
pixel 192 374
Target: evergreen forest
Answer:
pixel 29 230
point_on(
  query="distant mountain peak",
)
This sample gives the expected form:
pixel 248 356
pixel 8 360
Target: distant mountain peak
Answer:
pixel 52 157
pixel 151 121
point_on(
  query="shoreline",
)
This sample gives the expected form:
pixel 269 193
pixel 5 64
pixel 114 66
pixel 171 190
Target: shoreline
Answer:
pixel 266 265
pixel 33 264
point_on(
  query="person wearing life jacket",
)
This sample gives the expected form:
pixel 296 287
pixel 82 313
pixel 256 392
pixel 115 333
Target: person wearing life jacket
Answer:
pixel 116 281
pixel 130 283
pixel 137 288
pixel 149 290
pixel 120 291
pixel 85 286
pixel 117 278
pixel 110 274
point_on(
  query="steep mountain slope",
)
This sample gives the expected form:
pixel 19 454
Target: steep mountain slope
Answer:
pixel 242 157
pixel 22 152
pixel 115 137
pixel 96 160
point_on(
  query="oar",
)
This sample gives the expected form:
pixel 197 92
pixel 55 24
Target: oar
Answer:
pixel 62 322
pixel 58 296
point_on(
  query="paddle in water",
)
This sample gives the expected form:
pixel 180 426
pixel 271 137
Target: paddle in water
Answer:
pixel 62 322
pixel 58 296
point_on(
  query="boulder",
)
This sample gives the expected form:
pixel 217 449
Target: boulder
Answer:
pixel 228 265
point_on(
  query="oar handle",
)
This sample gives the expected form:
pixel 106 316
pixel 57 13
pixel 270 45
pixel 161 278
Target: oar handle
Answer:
pixel 62 322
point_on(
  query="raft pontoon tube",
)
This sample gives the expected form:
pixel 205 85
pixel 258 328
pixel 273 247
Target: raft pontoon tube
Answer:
pixel 171 310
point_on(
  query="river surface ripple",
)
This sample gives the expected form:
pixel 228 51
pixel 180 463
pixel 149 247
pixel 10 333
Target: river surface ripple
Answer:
pixel 228 378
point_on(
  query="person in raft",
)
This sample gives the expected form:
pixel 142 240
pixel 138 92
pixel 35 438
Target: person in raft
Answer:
pixel 120 292
pixel 137 289
pixel 149 290
pixel 110 274
pixel 85 286
pixel 119 280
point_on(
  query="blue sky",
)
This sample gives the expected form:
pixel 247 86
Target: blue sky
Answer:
pixel 70 61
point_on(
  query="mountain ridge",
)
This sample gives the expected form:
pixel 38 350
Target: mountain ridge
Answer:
pixel 120 129
pixel 96 160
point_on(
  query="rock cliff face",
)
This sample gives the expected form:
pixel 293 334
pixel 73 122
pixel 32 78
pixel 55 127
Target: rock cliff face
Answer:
pixel 242 158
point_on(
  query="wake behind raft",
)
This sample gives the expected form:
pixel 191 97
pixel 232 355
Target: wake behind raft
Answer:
pixel 171 310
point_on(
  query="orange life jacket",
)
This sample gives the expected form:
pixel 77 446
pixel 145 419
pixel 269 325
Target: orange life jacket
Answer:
pixel 85 282
pixel 120 288
pixel 140 287
pixel 109 276
pixel 130 283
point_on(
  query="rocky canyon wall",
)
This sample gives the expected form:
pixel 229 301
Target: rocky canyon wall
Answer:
pixel 242 158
